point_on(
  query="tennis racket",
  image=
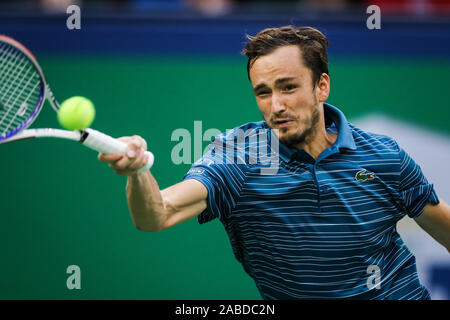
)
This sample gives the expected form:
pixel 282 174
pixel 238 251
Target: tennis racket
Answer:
pixel 23 91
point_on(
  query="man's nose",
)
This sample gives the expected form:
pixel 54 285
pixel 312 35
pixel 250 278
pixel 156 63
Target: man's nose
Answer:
pixel 277 104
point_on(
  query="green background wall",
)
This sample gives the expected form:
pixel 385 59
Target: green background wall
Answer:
pixel 60 206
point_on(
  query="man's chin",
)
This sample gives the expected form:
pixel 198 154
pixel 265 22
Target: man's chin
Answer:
pixel 291 139
pixel 290 136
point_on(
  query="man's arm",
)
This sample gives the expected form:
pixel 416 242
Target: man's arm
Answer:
pixel 152 209
pixel 435 220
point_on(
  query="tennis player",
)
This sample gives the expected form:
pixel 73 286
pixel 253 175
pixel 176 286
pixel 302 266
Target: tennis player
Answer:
pixel 323 225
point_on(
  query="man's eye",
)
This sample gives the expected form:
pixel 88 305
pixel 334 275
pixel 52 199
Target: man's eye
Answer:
pixel 289 87
pixel 263 93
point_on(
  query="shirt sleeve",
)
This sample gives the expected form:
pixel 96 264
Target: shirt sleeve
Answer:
pixel 223 181
pixel 415 190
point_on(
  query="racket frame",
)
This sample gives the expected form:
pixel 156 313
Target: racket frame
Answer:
pixel 44 90
pixel 89 137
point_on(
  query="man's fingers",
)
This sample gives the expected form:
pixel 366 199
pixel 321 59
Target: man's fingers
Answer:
pixel 109 157
pixel 128 162
pixel 136 142
pixel 126 166
pixel 139 162
pixel 133 159
pixel 135 147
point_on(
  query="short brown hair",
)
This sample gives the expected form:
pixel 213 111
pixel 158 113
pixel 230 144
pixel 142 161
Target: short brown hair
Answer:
pixel 311 42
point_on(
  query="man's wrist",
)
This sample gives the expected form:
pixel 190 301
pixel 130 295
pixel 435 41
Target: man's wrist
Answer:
pixel 135 176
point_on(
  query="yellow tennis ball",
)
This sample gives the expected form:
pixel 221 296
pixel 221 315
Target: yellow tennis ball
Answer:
pixel 76 113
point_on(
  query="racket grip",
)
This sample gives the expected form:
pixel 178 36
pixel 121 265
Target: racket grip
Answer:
pixel 105 144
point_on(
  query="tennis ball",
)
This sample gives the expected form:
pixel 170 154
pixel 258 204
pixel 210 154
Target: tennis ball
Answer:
pixel 76 113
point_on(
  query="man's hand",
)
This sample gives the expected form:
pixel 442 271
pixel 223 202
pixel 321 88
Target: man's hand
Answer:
pixel 134 159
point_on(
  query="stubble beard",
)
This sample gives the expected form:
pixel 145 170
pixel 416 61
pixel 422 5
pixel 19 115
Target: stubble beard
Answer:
pixel 301 137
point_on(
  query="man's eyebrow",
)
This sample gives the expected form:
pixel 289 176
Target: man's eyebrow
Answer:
pixel 283 80
pixel 259 87
pixel 277 82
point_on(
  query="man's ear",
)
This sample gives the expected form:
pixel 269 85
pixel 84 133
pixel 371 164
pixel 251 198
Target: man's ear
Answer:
pixel 323 87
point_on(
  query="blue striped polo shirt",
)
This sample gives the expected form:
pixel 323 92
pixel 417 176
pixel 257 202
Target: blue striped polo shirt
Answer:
pixel 317 229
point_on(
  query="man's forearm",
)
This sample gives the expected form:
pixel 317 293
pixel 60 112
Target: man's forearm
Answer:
pixel 435 220
pixel 145 202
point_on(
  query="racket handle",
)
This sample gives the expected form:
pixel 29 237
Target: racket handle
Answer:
pixel 105 144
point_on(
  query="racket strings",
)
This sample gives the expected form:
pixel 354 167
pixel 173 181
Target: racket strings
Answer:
pixel 20 88
pixel 9 62
pixel 10 75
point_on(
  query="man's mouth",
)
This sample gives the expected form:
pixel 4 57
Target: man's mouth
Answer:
pixel 281 123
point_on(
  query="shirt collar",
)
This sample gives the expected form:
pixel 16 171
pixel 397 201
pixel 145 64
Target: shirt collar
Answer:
pixel 332 116
pixel 345 135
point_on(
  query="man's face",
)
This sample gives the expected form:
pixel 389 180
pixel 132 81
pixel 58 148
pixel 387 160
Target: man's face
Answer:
pixel 286 96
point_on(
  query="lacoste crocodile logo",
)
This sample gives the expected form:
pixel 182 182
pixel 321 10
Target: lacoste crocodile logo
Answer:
pixel 361 175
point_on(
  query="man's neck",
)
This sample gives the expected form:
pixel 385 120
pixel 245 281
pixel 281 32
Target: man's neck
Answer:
pixel 322 143
pixel 319 140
